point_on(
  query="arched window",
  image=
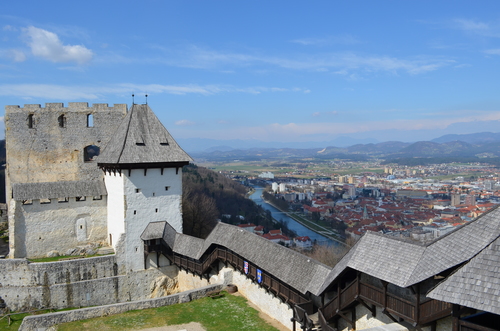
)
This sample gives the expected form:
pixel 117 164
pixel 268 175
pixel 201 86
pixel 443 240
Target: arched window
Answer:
pixel 62 121
pixel 90 152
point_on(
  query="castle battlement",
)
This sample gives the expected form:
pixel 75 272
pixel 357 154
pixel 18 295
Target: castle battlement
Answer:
pixel 72 107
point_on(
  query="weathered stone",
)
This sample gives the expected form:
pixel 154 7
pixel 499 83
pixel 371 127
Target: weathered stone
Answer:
pixel 53 254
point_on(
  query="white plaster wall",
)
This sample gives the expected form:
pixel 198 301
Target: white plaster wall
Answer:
pixel 150 204
pixel 40 228
pixel 115 207
pixel 266 302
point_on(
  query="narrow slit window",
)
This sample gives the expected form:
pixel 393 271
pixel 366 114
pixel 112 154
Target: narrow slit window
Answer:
pixel 31 121
pixel 137 190
pixel 62 121
pixel 166 188
pixel 90 121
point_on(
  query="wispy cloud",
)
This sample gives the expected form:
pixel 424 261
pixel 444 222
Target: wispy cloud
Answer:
pixel 345 62
pixel 47 45
pixel 495 51
pixel 329 130
pixel 324 41
pixel 329 113
pixel 64 92
pixel 184 123
pixel 485 29
pixel 15 55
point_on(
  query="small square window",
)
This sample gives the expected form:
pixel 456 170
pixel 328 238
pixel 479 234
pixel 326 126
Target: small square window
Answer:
pixel 62 200
pixel 82 198
pixel 166 188
pixel 137 190
pixel 135 212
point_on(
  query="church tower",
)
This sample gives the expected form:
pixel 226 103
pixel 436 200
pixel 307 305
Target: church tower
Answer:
pixel 143 177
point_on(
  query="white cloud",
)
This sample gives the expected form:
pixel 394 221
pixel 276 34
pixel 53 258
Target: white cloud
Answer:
pixel 184 123
pixel 46 44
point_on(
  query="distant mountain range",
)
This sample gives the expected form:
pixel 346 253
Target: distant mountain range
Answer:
pixel 477 146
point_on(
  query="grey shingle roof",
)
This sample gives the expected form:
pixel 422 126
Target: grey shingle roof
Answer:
pixel 476 284
pixel 297 270
pixel 405 263
pixel 141 138
pixel 47 190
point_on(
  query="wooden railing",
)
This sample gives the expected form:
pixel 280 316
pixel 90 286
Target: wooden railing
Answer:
pixel 468 326
pixel 423 313
pixel 267 280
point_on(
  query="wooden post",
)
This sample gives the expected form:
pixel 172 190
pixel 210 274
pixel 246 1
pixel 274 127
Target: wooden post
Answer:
pixel 417 308
pixel 455 313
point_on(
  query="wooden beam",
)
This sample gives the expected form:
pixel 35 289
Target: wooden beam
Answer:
pixel 353 323
pixel 394 319
pixel 372 309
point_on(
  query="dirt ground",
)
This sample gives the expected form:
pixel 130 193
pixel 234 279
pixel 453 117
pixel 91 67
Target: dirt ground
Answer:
pixel 183 327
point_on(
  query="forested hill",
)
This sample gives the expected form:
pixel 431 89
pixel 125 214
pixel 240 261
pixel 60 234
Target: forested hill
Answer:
pixel 208 195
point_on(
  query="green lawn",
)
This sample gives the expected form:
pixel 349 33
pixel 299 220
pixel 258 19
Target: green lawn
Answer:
pixel 225 313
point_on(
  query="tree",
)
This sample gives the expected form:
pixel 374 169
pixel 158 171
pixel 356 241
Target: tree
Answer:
pixel 199 213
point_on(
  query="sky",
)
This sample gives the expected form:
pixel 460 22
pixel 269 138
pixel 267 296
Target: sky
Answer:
pixel 269 71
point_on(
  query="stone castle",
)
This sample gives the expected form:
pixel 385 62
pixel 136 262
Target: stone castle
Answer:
pixel 110 177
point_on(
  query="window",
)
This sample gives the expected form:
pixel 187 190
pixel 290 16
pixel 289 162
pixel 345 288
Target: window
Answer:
pixel 137 190
pixel 27 202
pixel 31 121
pixel 135 212
pixel 90 121
pixel 97 197
pixel 82 198
pixel 44 201
pixel 156 210
pixel 62 121
pixel 90 152
pixel 166 188
pixel 62 200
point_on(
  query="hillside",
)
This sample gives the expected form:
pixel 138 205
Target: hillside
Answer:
pixel 208 195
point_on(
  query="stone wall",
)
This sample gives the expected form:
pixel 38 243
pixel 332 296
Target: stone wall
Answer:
pixel 79 283
pixel 37 228
pixel 42 322
pixel 39 149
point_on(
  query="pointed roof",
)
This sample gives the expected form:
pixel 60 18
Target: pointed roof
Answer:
pixel 142 139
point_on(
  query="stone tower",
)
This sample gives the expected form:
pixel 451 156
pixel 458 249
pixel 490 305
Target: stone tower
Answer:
pixel 143 176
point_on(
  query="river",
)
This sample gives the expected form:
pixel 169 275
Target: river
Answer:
pixel 292 224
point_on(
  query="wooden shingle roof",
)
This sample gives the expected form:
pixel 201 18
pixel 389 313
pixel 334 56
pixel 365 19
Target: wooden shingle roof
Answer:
pixel 53 190
pixel 476 284
pixel 405 263
pixel 142 139
pixel 297 270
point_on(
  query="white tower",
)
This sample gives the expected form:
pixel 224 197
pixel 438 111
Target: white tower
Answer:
pixel 143 177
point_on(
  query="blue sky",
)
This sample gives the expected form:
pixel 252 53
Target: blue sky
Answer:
pixel 284 71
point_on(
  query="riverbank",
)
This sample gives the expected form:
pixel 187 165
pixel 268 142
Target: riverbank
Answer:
pixel 330 234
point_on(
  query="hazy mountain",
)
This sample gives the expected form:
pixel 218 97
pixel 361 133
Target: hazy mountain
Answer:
pixel 471 138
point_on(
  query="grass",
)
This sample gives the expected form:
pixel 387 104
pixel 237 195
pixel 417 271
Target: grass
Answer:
pixel 16 322
pixel 225 313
